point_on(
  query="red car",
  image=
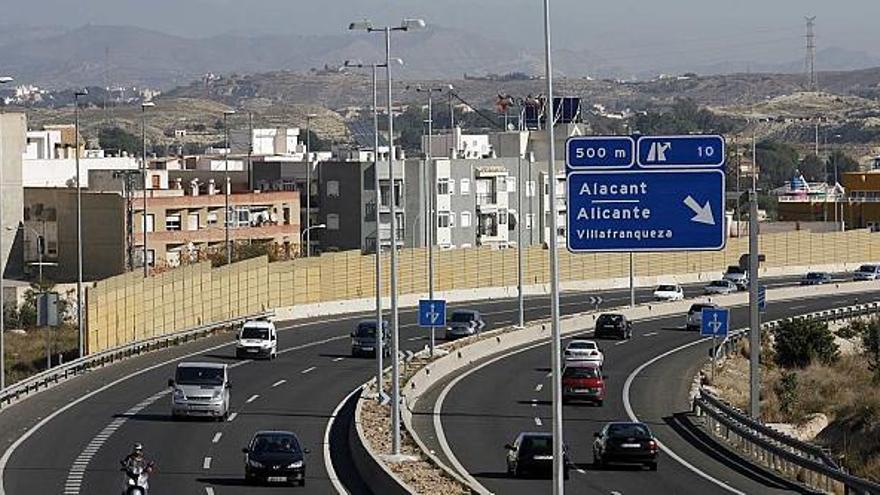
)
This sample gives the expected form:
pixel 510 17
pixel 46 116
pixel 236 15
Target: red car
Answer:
pixel 583 381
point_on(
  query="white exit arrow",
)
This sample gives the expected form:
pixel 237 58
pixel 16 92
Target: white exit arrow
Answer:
pixel 703 213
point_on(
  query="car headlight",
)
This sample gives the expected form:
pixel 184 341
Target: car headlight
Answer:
pixel 295 465
pixel 178 394
pixel 218 394
pixel 254 464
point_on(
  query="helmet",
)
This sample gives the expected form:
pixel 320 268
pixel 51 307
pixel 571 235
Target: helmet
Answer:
pixel 138 447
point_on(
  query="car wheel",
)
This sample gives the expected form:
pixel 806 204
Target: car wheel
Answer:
pixel 302 482
pixel 600 402
pixel 597 461
pixel 565 474
pixel 652 466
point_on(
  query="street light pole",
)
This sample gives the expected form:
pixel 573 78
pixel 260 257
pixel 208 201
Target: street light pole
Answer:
pixel 555 342
pixel 519 241
pixel 144 168
pixel 226 184
pixel 79 240
pixel 309 118
pixel 3 257
pixel 754 315
pixel 318 226
pixel 406 25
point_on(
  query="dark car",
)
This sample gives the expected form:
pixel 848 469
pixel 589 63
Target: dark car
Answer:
pixel 816 278
pixel 364 341
pixel 532 454
pixel 616 325
pixel 275 457
pixel 631 443
pixel 583 380
pixel 464 323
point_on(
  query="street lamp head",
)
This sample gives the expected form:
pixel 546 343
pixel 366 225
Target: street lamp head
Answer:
pixel 228 112
pixel 6 79
pixel 412 24
pixel 362 25
pixel 395 60
pixel 82 92
pixel 353 63
pixel 320 226
pixel 148 104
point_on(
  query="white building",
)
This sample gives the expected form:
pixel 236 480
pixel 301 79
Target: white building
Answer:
pixel 49 159
pixel 468 146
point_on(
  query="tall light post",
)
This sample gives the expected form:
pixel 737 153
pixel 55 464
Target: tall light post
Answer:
pixel 313 227
pixel 79 240
pixel 754 315
pixel 555 344
pixel 3 257
pixel 226 185
pixel 406 25
pixel 431 191
pixel 144 168
pixel 380 335
pixel 309 118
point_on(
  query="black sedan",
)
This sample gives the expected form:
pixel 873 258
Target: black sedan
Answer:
pixel 531 454
pixel 613 324
pixel 816 278
pixel 275 457
pixel 629 443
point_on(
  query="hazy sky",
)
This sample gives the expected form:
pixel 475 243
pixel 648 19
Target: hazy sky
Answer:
pixel 619 28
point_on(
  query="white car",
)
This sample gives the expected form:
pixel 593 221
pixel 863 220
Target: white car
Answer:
pixel 695 315
pixel 720 287
pixel 584 350
pixel 668 292
pixel 257 338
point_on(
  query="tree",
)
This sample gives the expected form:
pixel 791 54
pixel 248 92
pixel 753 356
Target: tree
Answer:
pixel 799 342
pixel 116 138
pixel 813 168
pixel 777 163
pixel 839 162
pixel 871 345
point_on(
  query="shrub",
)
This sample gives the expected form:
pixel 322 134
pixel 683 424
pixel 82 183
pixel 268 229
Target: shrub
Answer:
pixel 854 329
pixel 799 342
pixel 871 346
pixel 787 392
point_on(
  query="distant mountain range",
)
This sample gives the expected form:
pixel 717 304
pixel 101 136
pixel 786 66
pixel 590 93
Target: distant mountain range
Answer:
pixel 129 56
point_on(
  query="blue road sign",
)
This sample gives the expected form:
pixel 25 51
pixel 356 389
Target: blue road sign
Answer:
pixel 432 312
pixel 646 210
pixel 715 322
pixel 600 152
pixel 762 298
pixel 681 151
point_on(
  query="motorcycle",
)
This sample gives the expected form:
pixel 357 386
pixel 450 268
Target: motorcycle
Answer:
pixel 137 479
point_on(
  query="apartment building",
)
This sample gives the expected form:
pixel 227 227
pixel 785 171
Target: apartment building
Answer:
pixel 854 203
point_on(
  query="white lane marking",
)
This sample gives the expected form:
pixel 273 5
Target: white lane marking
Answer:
pixel 252 398
pixel 413 339
pixel 584 472
pixel 538 387
pixel 632 416
pixel 217 437
pixel 538 422
pixel 308 370
pixel 550 374
pixel 209 490
pixel 232 417
pixel 798 306
pixel 534 402
pixel 649 334
pixel 206 464
pixel 621 342
pixel 336 360
pixel 328 461
pixel 279 382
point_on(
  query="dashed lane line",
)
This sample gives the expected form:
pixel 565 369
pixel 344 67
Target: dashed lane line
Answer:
pixel 650 334
pixel 232 417
pixel 206 464
pixel 538 422
pixel 217 437
pixel 308 370
pixel 209 490
pixel 279 383
pixel 539 387
pixel 336 360
pixel 252 398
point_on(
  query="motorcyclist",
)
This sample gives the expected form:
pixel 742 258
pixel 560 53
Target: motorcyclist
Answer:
pixel 137 470
pixel 135 458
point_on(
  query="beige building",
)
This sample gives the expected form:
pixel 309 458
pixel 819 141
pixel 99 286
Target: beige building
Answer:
pixel 182 223
pixel 13 127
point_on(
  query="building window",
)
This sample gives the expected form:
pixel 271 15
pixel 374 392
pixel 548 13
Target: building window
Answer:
pixel 530 188
pixel 288 185
pixel 502 184
pixel 443 186
pixel 502 217
pixel 193 221
pixel 465 186
pixel 212 218
pixel 172 222
pixel 530 219
pixel 452 219
pixel 451 186
pixel 244 216
pixel 443 219
pixel 150 223
pixel 511 184
pixel 465 219
pixel 332 188
pixel 332 221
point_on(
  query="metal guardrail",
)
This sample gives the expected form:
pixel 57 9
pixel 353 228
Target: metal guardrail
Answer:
pixel 803 462
pixel 52 376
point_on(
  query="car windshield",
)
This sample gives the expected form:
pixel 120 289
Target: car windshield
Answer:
pixel 815 275
pixel 537 445
pixel 462 316
pixel 735 270
pixel 190 375
pixel 628 431
pixel 366 330
pixel 579 372
pixel 610 318
pixel 582 345
pixel 255 333
pixel 719 283
pixel 276 444
pixel 867 268
pixel 667 288
pixel 696 308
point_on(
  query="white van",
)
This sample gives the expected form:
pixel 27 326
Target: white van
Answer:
pixel 867 272
pixel 200 389
pixel 257 338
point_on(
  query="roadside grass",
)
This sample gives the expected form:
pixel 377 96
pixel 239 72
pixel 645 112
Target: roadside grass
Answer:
pixel 26 353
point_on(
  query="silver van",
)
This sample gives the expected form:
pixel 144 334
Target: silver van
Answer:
pixel 200 389
pixel 867 272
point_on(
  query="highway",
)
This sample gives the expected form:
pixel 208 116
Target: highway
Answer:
pixel 77 448
pixel 477 425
